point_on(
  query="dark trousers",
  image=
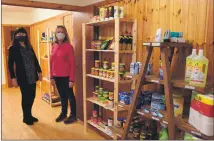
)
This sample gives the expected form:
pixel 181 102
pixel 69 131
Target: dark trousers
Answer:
pixel 66 93
pixel 28 92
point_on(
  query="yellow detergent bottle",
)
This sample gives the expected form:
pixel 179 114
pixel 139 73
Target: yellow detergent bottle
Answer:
pixel 189 65
pixel 199 70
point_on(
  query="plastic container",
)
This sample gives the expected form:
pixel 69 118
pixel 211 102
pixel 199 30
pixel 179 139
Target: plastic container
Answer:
pixel 199 70
pixel 189 65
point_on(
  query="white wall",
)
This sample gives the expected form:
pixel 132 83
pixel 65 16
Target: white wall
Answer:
pixel 27 17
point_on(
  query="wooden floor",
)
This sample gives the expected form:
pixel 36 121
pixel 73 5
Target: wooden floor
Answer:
pixel 46 128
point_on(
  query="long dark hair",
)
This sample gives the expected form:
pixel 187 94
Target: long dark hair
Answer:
pixel 15 42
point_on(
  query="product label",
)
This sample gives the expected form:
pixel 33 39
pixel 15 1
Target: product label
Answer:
pixel 198 72
pixel 188 69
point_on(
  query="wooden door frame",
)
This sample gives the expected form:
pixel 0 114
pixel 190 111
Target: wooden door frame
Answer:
pixel 6 85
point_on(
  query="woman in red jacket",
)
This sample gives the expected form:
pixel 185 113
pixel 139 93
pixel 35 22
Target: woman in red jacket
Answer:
pixel 62 72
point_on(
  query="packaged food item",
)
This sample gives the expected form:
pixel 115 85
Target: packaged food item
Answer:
pixel 101 91
pixel 121 76
pixel 95 115
pixel 199 70
pixel 101 14
pixel 129 47
pixel 136 69
pixel 140 66
pixel 112 75
pixel 111 12
pixel 161 70
pixel 116 12
pixel 95 95
pixel 101 72
pixel 112 44
pixel 122 67
pixel 189 65
pixel 111 103
pixel 121 41
pixel 97 44
pixel 96 72
pixel 111 96
pixel 106 94
pixel 121 12
pixel 125 42
pixel 92 71
pixel 178 102
pixel 97 63
pixel 102 99
pixel 132 67
pixel 110 122
pixel 136 132
pixel 113 66
pixel 105 73
pixel 106 12
pixel 97 89
pixel 105 65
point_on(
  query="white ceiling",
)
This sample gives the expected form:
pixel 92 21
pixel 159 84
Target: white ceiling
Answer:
pixel 6 8
pixel 71 2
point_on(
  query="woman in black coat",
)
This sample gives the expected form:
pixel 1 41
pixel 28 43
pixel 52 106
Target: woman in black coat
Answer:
pixel 27 72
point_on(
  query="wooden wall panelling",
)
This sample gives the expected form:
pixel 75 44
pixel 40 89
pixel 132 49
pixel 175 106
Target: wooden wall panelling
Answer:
pixel 209 40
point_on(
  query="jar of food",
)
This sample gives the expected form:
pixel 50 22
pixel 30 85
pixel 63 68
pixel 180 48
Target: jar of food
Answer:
pixel 95 95
pixel 105 73
pixel 100 72
pixel 110 122
pixel 92 71
pixel 94 113
pixel 102 14
pixel 97 63
pixel 101 91
pixel 116 11
pixel 111 103
pixel 105 65
pixel 122 67
pixel 108 74
pixel 102 99
pixel 106 12
pixel 106 94
pixel 111 96
pixel 113 65
pixel 111 12
pixel 96 72
pixel 112 75
pixel 121 76
pixel 97 89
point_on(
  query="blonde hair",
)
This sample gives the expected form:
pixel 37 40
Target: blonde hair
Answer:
pixel 67 39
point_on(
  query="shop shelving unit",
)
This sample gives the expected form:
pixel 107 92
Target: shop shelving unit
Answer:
pixel 44 47
pixel 88 78
pixel 171 80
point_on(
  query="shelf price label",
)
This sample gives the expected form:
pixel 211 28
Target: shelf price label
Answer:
pixel 146 44
pixel 196 133
pixel 155 118
pixel 189 87
pixel 165 122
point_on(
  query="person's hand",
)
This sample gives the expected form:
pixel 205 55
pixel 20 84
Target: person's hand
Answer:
pixel 40 76
pixel 14 82
pixel 71 84
pixel 52 82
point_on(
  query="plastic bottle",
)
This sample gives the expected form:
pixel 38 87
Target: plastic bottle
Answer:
pixel 189 65
pixel 199 70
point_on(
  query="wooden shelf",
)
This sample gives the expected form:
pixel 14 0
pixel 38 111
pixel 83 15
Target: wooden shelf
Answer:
pixel 111 21
pixel 177 83
pixel 123 106
pixel 169 44
pixel 183 124
pixel 111 51
pixel 98 127
pixel 101 78
pixel 117 130
pixel 91 99
pixel 150 116
pixel 95 50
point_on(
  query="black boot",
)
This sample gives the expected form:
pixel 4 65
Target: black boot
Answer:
pixel 61 117
pixel 34 119
pixel 28 121
pixel 70 119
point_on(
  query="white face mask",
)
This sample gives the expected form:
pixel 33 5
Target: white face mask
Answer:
pixel 60 36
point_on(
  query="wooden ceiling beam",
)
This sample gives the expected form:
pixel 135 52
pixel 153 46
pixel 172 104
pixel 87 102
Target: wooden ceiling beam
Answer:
pixel 35 4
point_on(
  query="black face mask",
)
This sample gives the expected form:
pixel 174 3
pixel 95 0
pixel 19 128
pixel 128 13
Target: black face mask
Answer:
pixel 20 38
